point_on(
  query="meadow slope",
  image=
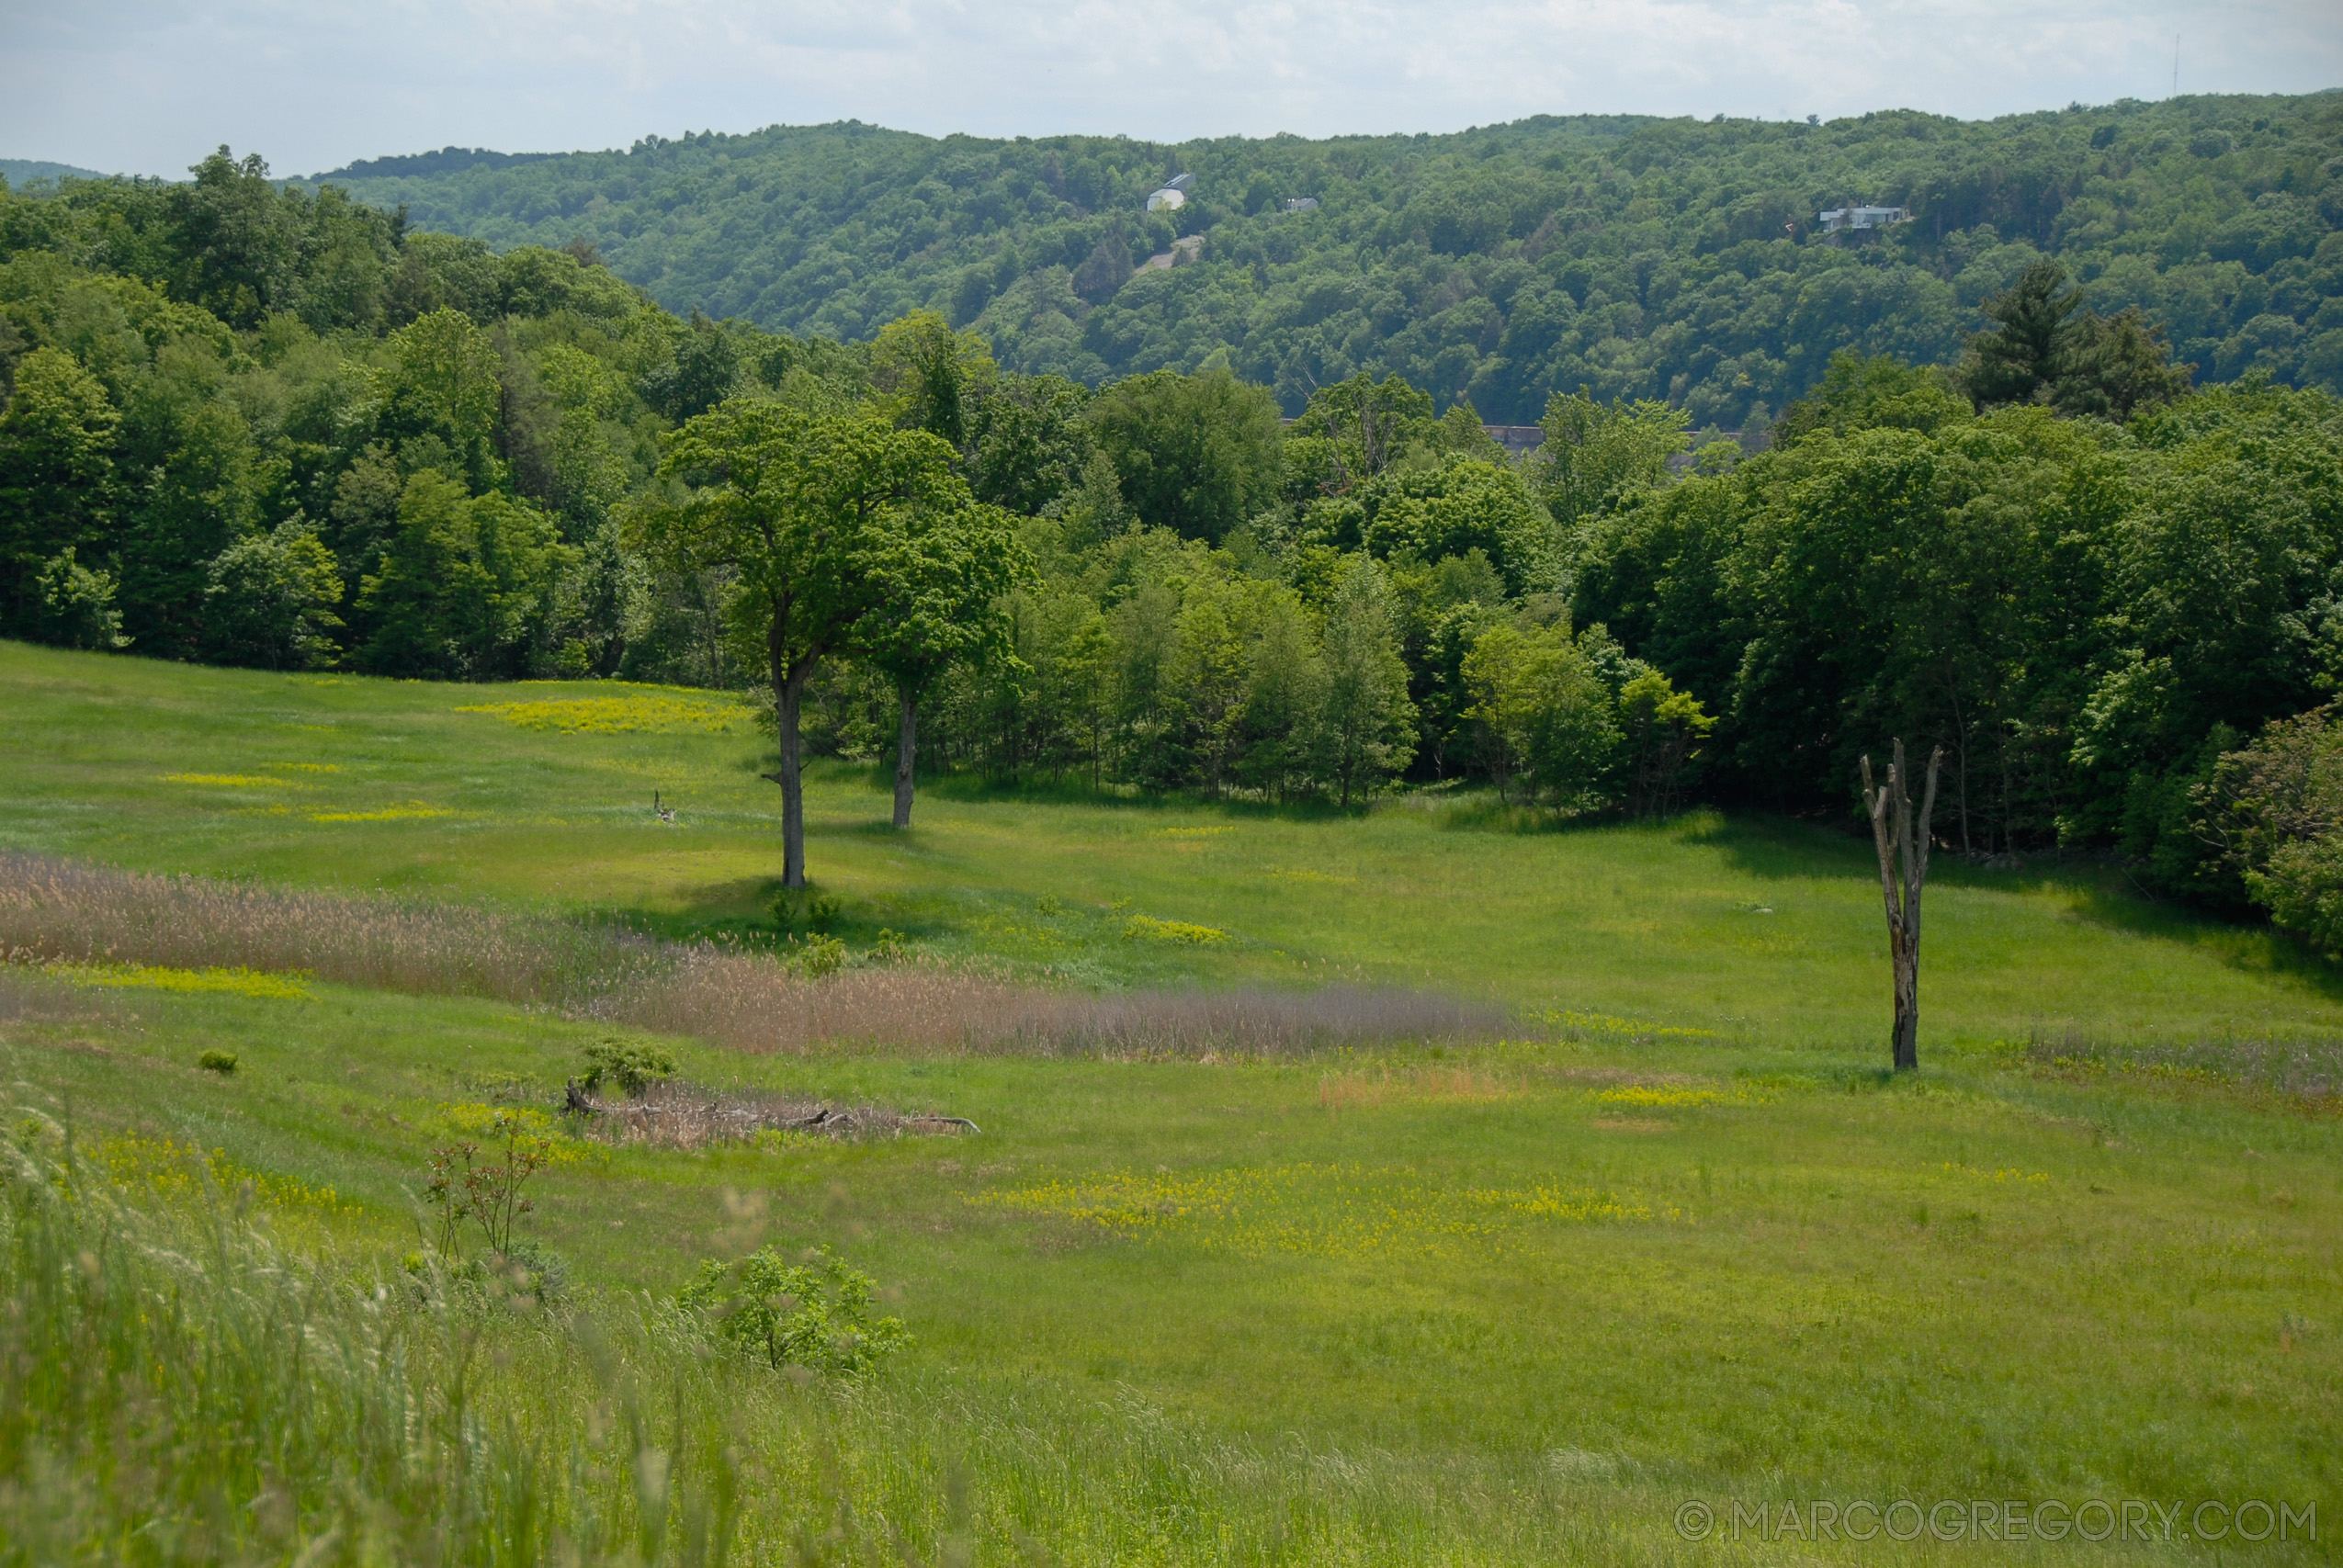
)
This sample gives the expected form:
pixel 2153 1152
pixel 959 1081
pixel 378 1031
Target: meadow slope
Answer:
pixel 1759 930
pixel 1676 1236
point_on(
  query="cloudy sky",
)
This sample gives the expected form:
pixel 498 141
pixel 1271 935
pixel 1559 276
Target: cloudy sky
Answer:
pixel 148 85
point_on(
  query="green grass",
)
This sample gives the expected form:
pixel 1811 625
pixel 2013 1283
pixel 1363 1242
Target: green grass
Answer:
pixel 1502 1303
pixel 1761 931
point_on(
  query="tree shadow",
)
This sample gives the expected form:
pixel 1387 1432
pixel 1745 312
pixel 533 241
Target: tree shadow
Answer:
pixel 977 789
pixel 740 913
pixel 2096 891
pixel 1769 847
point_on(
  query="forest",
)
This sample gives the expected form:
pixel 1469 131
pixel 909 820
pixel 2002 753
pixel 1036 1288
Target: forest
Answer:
pixel 249 423
pixel 1638 257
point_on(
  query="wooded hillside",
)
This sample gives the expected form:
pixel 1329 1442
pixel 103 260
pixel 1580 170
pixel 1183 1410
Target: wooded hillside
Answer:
pixel 1639 257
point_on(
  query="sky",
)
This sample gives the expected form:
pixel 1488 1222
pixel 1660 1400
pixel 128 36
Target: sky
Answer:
pixel 148 87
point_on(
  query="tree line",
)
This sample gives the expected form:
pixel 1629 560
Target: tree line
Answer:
pixel 259 425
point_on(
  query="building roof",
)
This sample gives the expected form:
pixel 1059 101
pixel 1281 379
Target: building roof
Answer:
pixel 1862 217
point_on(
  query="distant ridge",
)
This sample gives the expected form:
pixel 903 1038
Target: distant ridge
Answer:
pixel 23 171
pixel 447 161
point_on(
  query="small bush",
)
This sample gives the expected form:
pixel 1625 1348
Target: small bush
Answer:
pixel 631 1065
pixel 801 912
pixel 222 1062
pixel 822 955
pixel 536 1270
pixel 814 1314
pixel 888 948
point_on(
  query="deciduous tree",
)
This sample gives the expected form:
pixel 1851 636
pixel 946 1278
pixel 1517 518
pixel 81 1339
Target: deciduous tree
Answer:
pixel 270 600
pixel 806 509
pixel 940 578
pixel 56 474
pixel 1196 454
pixel 1369 729
pixel 1549 711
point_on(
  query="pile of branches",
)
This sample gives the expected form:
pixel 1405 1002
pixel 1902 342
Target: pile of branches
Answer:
pixel 678 1115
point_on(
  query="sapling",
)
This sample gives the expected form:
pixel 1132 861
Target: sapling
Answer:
pixel 489 1196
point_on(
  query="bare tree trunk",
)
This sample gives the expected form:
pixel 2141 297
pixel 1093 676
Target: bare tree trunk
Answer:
pixel 907 741
pixel 1903 871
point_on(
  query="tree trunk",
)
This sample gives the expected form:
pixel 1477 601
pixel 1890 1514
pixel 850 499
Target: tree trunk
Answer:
pixel 907 742
pixel 790 695
pixel 1903 872
pixel 1907 1042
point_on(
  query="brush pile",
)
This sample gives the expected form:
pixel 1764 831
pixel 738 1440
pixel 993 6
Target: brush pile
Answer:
pixel 678 1115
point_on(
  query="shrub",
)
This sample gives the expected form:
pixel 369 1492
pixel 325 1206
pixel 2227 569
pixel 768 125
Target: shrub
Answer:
pixel 801 912
pixel 814 1314
pixel 217 1061
pixel 633 1065
pixel 822 955
pixel 2275 809
pixel 536 1269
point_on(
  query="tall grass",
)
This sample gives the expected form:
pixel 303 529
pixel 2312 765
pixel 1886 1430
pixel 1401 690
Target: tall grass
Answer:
pixel 58 910
pixel 177 1388
pixel 54 911
pixel 2302 1068
pixel 751 1003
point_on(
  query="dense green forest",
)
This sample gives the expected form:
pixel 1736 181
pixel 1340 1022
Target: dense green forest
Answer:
pixel 252 423
pixel 1638 257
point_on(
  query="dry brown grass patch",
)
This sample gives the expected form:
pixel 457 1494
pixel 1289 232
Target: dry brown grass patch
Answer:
pixel 55 911
pixel 754 1004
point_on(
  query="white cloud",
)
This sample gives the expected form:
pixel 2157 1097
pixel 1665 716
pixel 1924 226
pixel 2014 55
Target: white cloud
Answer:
pixel 146 86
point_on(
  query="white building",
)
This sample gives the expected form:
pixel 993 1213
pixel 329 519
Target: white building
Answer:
pixel 1840 218
pixel 1172 197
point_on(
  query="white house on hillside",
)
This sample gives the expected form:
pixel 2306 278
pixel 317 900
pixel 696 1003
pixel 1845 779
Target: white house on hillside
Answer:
pixel 1840 218
pixel 1171 196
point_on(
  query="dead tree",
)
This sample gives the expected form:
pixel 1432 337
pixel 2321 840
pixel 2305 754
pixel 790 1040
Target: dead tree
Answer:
pixel 1903 870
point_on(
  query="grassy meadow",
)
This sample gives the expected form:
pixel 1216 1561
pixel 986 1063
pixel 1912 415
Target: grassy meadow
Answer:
pixel 1670 1234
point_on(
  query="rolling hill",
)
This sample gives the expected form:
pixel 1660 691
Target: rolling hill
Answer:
pixel 1638 257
